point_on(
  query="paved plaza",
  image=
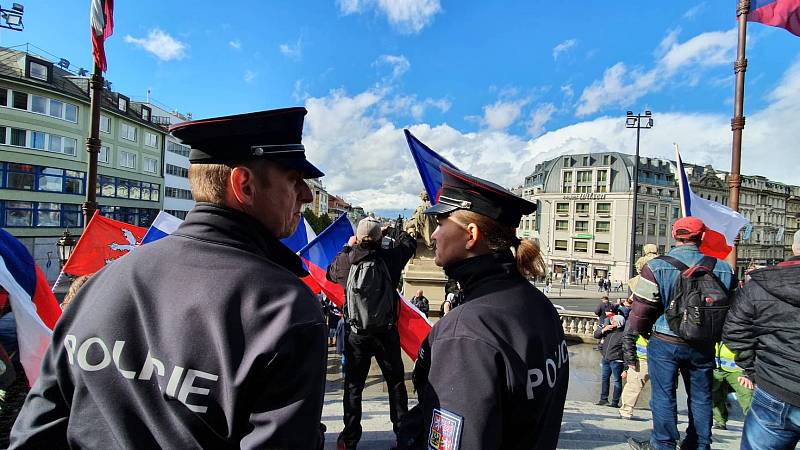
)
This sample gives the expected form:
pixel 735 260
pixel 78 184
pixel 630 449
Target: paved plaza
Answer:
pixel 585 426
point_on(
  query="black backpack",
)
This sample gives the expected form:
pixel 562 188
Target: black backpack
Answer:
pixel 699 303
pixel 370 296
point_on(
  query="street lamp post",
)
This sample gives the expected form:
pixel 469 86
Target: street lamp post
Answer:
pixel 12 18
pixel 635 121
pixel 65 245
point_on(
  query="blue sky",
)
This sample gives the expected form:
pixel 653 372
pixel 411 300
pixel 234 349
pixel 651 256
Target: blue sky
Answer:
pixel 495 86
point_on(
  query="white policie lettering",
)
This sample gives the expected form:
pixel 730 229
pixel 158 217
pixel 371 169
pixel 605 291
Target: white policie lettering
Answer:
pixel 102 358
pixel 551 365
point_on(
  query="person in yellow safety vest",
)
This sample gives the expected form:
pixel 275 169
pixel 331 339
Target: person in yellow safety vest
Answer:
pixel 727 374
pixel 634 351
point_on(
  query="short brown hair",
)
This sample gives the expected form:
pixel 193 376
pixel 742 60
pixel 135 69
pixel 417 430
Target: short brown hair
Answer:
pixel 209 182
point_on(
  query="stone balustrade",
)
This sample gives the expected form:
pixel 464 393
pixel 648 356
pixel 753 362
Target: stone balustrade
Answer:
pixel 579 326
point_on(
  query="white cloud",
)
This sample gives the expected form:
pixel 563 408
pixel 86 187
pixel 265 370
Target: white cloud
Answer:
pixel 160 44
pixel 502 113
pixel 622 86
pixel 250 76
pixel 292 51
pixel 567 91
pixel 398 63
pixel 563 47
pixel 236 45
pixel 539 118
pixel 692 12
pixel 406 16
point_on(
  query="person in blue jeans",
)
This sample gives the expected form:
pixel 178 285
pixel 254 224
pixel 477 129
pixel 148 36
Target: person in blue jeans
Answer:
pixel 667 353
pixel 763 331
pixel 612 362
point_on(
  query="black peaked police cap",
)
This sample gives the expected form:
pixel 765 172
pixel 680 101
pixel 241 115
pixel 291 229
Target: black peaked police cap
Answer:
pixel 274 135
pixel 461 190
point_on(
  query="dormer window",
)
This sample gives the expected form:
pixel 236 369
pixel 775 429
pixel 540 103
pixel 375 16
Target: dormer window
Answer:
pixel 39 69
pixel 146 113
pixel 122 103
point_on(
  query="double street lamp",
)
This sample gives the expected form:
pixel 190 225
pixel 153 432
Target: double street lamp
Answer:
pixel 637 121
pixel 12 18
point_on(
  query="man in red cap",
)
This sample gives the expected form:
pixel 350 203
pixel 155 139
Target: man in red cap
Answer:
pixel 667 352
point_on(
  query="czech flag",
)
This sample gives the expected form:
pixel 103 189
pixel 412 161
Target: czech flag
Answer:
pixel 35 308
pixel 320 252
pixel 777 13
pixel 163 225
pixel 301 237
pixel 103 241
pixel 722 222
pixel 428 163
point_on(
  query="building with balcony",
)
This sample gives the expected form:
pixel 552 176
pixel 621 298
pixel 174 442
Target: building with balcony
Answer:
pixel 44 123
pixel 320 203
pixel 337 206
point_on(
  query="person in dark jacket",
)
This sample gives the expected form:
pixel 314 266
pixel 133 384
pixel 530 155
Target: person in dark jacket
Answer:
pixel 206 338
pixel 612 359
pixel 421 302
pixel 493 373
pixel 361 346
pixel 763 331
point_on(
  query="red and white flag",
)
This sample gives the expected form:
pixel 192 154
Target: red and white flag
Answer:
pixel 101 19
pixel 103 241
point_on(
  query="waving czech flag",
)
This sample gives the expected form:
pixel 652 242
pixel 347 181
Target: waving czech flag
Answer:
pixel 722 222
pixel 33 303
pixel 777 13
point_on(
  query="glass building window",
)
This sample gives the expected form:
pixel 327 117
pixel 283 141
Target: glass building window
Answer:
pixel 127 159
pixel 37 140
pixel 48 215
pixel 19 137
pixel 651 210
pixel 561 245
pixel 19 100
pixel 56 108
pixel 601 247
pixel 651 229
pixel 38 104
pixel 566 184
pixel 562 208
pixel 178 149
pixel 581 226
pixel 105 124
pixel 562 225
pixel 20 176
pixel 51 180
pixel 19 214
pixel 580 247
pixel 602 181
pixel 150 139
pixel 103 156
pixel 602 227
pixel 584 182
pixel 127 132
pixel 604 208
pixel 662 229
pixel 150 165
pixel 3 97
pixel 73 182
pixel 37 70
pixel 582 208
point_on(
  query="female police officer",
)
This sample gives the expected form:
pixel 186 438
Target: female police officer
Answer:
pixel 493 373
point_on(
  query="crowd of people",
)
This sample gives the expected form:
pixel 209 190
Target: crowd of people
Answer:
pixel 239 358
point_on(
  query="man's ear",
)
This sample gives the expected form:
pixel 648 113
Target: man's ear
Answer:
pixel 474 234
pixel 242 185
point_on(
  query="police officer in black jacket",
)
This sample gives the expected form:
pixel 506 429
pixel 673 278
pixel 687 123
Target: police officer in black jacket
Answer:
pixel 493 373
pixel 206 338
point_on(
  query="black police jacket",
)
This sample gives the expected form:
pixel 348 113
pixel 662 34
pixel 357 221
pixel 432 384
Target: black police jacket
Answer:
pixel 493 373
pixel 203 339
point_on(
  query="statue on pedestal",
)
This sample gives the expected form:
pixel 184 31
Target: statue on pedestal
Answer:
pixel 421 226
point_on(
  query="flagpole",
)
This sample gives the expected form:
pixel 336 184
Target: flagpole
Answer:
pixel 93 145
pixel 737 122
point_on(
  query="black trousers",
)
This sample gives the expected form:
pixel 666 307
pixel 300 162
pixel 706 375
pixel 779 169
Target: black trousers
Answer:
pixel 358 353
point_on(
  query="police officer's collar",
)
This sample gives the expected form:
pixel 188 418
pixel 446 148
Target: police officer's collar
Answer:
pixel 232 228
pixel 472 273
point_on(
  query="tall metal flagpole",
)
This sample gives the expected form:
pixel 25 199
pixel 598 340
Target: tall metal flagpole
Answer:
pixel 737 122
pixel 93 144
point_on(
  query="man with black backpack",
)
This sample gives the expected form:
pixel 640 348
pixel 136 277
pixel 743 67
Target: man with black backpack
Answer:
pixel 369 269
pixel 682 298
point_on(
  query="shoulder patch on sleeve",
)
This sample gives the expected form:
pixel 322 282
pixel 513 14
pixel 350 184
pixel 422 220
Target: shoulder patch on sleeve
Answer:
pixel 445 432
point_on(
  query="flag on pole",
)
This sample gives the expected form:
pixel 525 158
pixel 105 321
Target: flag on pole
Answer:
pixel 103 241
pixel 320 252
pixel 777 13
pixel 35 308
pixel 413 327
pixel 163 225
pixel 722 222
pixel 428 162
pixel 101 19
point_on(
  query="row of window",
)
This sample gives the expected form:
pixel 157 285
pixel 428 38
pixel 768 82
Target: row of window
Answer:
pixel 183 194
pixel 142 217
pixel 587 160
pixel 38 140
pixel 581 246
pixel 128 132
pixel 177 213
pixel 653 208
pixel 583 208
pixel 582 226
pixel 651 229
pixel 50 179
pixel 178 149
pixel 585 181
pixel 39 104
pixel 177 171
pixel 40 214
